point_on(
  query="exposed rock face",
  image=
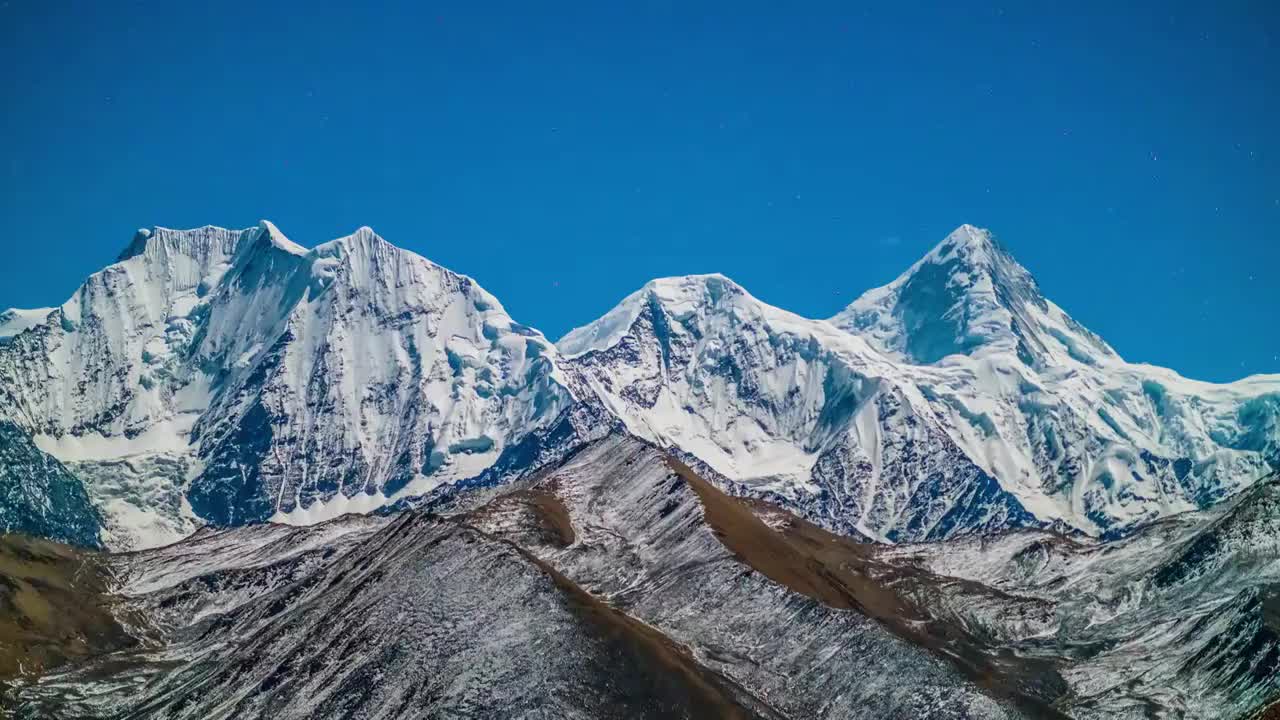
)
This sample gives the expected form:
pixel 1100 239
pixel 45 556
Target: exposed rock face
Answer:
pixel 40 497
pixel 1176 619
pixel 620 583
pixel 598 590
pixel 55 608
pixel 669 549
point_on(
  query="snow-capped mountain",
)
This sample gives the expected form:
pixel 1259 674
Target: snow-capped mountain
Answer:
pixel 968 296
pixel 1046 404
pixel 230 377
pixel 956 398
pixel 234 376
pixel 788 408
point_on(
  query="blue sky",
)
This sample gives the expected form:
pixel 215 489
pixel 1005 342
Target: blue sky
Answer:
pixel 563 154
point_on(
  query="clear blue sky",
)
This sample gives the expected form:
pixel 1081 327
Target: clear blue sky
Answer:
pixel 563 154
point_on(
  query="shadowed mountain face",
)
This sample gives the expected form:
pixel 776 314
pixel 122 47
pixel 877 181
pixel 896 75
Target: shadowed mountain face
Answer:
pixel 40 497
pixel 620 583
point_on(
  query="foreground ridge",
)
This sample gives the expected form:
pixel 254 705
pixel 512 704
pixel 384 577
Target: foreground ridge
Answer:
pixel 620 583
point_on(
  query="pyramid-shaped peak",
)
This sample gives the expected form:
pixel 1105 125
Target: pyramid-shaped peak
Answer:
pixel 965 296
pixel 969 261
pixel 969 244
pixel 269 234
pixel 970 235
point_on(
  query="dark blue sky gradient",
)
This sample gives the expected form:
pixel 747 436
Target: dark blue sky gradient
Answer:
pixel 563 154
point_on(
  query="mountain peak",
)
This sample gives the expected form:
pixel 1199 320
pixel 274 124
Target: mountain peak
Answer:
pixel 974 249
pixel 693 288
pixel 678 296
pixel 363 235
pixel 267 231
pixel 968 295
pixel 971 235
pixel 363 240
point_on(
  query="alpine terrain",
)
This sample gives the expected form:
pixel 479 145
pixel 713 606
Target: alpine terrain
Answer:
pixel 955 399
pixel 231 377
pixel 247 479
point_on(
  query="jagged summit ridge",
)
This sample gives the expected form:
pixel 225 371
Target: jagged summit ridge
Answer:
pixel 232 376
pixel 961 357
pixel 791 409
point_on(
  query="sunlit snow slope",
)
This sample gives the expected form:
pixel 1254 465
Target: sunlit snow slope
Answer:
pixel 957 398
pixel 234 376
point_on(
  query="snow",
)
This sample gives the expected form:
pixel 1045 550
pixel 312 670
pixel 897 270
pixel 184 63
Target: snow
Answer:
pixel 757 393
pixel 14 321
pixel 163 437
pixel 384 375
pixel 680 295
pixel 349 348
pixel 324 511
pixel 1029 396
pixel 967 296
pixel 278 240
pixel 131 527
pixel 605 332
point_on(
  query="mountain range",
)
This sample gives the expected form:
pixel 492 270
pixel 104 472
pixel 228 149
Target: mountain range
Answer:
pixel 246 479
pixel 226 377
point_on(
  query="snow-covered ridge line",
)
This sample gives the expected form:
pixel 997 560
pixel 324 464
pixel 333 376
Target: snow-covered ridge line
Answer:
pixel 232 376
pixel 14 321
pixel 1044 422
